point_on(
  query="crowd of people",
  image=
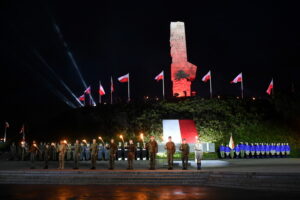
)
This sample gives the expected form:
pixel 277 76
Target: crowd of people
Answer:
pixel 255 150
pixel 85 151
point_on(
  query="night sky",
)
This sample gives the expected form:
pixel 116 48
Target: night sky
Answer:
pixel 113 38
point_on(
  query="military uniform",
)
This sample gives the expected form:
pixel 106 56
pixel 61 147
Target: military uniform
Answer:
pixel 243 149
pixel 46 155
pixel 237 150
pixel 112 155
pixel 23 150
pixel 252 149
pixel 13 151
pixel 130 155
pixel 185 150
pixel 222 151
pixel 247 149
pixel 170 147
pixel 198 154
pixel 153 149
pixel 94 151
pixel 77 152
pixel 33 153
pixel 61 155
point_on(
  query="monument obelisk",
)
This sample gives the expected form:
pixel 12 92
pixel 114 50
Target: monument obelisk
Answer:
pixel 182 72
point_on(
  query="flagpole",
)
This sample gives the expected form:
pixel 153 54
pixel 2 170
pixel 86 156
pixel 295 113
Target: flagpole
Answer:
pixel 210 85
pixel 242 87
pixel 128 87
pixel 111 85
pixel 163 85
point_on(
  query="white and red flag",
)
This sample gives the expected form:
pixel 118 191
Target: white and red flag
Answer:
pixel 270 88
pixel 101 90
pixel 160 76
pixel 207 77
pixel 88 90
pixel 179 129
pixel 124 79
pixel 231 142
pixel 81 98
pixel 238 79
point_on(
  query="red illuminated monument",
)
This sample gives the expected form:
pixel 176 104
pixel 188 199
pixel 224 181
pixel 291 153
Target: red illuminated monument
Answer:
pixel 182 72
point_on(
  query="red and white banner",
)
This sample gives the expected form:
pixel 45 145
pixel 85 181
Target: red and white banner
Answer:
pixel 124 79
pixel 160 76
pixel 270 88
pixel 179 129
pixel 206 77
pixel 101 90
pixel 238 79
pixel 88 90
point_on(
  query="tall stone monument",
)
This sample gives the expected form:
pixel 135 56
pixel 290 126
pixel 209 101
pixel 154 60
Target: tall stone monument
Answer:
pixel 182 72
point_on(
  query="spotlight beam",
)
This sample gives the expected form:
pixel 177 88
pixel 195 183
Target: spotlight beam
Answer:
pixel 56 76
pixel 71 57
pixel 52 89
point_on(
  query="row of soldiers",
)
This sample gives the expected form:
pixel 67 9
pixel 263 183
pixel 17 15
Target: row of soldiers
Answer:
pixel 112 147
pixel 21 152
pixel 256 150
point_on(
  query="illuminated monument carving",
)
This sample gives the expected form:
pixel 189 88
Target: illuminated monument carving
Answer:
pixel 182 72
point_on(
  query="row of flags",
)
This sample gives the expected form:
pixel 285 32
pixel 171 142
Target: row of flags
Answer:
pixel 6 126
pixel 237 79
pixel 160 77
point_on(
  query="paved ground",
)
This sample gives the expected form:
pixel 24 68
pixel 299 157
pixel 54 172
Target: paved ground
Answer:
pixel 281 165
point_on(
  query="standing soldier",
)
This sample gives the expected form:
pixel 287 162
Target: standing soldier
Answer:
pixel 77 152
pixel 120 151
pixel 94 151
pixel 199 153
pixel 273 150
pixel 41 151
pixel 13 151
pixel 61 154
pixel 237 150
pixel 222 151
pixel 125 150
pixel 82 152
pixel 267 149
pixel 69 151
pixel 242 147
pixel 23 150
pixel 278 150
pixel 87 151
pixel 247 149
pixel 170 147
pixel 53 151
pixel 138 151
pixel 227 151
pixel 257 150
pixel 112 153
pixel 262 150
pixel 131 154
pixel 252 149
pixel 185 150
pixel 33 153
pixel 100 151
pixel 153 149
pixel 287 149
pixel 106 152
pixel 46 155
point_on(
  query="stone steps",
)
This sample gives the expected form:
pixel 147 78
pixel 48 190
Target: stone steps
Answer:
pixel 245 180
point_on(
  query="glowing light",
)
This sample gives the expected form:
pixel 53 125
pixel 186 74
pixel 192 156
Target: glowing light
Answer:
pixel 84 141
pixel 142 137
pixel 65 141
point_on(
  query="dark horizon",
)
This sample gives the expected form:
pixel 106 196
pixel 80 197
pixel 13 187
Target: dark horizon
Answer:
pixel 112 39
